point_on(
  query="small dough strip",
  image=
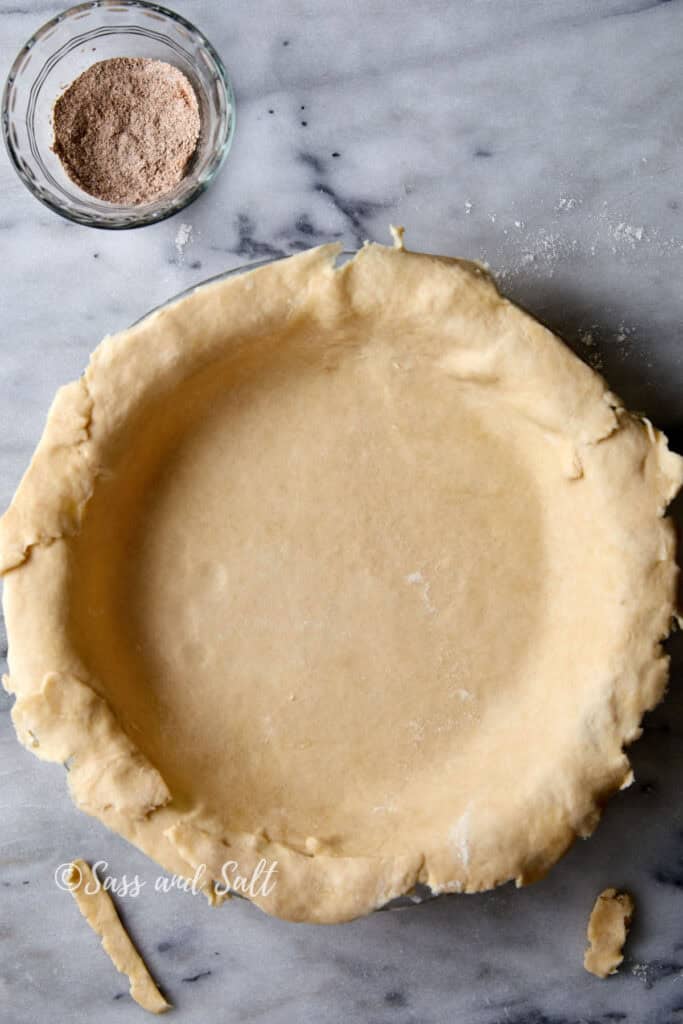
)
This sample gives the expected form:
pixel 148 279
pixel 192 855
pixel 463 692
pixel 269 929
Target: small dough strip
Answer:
pixel 96 906
pixel 607 930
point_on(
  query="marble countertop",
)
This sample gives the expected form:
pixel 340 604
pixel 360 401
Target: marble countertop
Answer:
pixel 544 138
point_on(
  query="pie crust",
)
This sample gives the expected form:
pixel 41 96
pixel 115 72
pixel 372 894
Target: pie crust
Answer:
pixel 353 569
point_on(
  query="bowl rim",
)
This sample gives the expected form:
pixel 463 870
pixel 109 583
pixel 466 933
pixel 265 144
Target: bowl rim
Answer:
pixel 222 275
pixel 243 268
pixel 92 220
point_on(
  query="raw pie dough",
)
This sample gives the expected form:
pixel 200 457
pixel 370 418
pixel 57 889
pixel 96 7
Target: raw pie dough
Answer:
pixel 608 927
pixel 97 907
pixel 354 569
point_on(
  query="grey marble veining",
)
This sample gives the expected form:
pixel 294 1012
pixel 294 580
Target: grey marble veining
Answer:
pixel 544 138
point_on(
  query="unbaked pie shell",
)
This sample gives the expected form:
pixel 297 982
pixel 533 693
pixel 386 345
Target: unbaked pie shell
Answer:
pixel 356 569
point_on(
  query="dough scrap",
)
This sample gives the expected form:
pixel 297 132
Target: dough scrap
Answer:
pixel 608 928
pixel 320 558
pixel 96 906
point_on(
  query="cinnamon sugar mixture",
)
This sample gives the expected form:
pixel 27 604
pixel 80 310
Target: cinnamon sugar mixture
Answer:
pixel 125 130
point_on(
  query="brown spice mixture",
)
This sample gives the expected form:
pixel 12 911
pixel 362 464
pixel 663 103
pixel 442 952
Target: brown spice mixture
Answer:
pixel 126 129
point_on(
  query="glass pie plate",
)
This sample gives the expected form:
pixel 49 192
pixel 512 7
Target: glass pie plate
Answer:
pixel 421 894
pixel 334 553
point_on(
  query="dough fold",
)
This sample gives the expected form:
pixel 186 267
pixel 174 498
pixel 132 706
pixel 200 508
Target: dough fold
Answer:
pixel 66 721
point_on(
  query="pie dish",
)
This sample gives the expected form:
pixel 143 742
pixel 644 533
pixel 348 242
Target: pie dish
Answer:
pixel 355 570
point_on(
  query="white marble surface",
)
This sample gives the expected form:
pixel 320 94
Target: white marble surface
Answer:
pixel 544 137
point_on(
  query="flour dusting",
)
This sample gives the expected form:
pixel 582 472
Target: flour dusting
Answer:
pixel 626 234
pixel 417 579
pixel 459 837
pixel 182 238
pixel 566 203
pixel 539 248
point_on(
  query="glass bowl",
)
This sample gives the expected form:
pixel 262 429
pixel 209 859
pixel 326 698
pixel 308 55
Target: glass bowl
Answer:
pixel 60 51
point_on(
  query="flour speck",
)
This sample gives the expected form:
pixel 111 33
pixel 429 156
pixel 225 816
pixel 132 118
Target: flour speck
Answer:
pixel 627 234
pixel 182 238
pixel 460 838
pixel 566 203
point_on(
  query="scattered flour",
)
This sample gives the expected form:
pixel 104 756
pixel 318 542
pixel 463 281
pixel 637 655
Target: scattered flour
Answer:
pixel 649 973
pixel 388 808
pixel 417 579
pixel 543 248
pixel 460 838
pixel 565 203
pixel 588 337
pixel 641 971
pixel 626 234
pixel 417 728
pixel 623 338
pixel 181 240
pixel 268 728
pixel 597 341
pixel 525 251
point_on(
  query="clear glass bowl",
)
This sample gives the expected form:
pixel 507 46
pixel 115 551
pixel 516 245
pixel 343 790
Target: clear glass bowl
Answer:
pixel 60 51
